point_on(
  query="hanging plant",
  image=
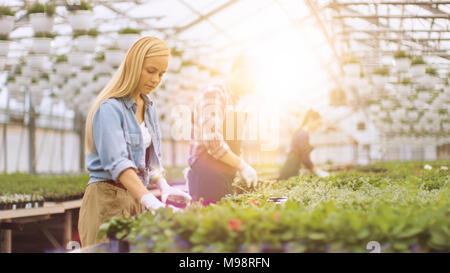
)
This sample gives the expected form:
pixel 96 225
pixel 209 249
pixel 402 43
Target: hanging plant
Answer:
pixel 47 9
pixel 400 54
pixel 6 20
pixel 384 71
pixel 431 71
pixel 4 44
pixel 417 60
pixel 83 5
pixel 61 59
pixel 130 31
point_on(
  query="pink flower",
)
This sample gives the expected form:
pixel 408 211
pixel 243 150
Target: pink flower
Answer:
pixel 234 224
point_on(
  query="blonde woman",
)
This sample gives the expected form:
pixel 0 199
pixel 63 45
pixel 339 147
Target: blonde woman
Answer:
pixel 123 142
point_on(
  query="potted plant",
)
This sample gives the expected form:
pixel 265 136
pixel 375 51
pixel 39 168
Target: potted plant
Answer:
pixel 4 45
pixel 80 16
pixel 6 20
pixel 127 37
pixel 418 66
pixel 42 42
pixel 36 61
pixel 41 17
pixel 114 55
pixel 351 66
pixel 405 88
pixel 402 61
pixel 62 67
pixel 76 59
pixel 380 76
pixel 86 40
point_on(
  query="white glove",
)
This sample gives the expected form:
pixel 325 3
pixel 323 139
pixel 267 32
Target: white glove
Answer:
pixel 151 203
pixel 248 173
pixel 167 190
pixel 321 173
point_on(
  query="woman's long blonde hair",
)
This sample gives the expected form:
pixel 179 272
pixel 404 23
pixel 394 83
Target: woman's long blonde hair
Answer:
pixel 125 80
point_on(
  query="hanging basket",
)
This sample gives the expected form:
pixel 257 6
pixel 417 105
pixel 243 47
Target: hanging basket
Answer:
pixel 86 43
pixel 42 45
pixel 125 41
pixel 114 57
pixel 64 69
pixel 418 70
pixel 6 24
pixel 81 20
pixel 352 69
pixel 40 22
pixel 76 59
pixel 37 61
pixel 4 48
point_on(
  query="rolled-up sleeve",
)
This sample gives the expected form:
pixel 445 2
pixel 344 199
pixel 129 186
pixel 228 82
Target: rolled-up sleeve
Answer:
pixel 212 117
pixel 110 141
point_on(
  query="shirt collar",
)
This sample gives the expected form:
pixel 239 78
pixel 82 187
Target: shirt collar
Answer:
pixel 129 101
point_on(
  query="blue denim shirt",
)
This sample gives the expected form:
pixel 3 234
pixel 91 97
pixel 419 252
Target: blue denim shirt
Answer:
pixel 119 143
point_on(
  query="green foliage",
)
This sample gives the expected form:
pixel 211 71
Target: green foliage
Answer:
pixel 82 5
pixel 100 57
pixel 401 205
pixel 350 59
pixel 383 71
pixel 91 32
pixel 417 60
pixel 61 59
pixel 401 54
pixel 431 71
pixel 4 37
pixel 55 188
pixel 44 35
pixel 37 7
pixel 6 11
pixel 405 81
pixel 130 31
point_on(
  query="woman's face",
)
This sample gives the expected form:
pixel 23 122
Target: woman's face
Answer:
pixel 153 70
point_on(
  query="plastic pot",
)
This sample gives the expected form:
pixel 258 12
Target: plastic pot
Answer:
pixel 40 22
pixel 125 41
pixel 6 24
pixel 81 20
pixel 86 43
pixel 42 45
pixel 114 57
pixel 4 48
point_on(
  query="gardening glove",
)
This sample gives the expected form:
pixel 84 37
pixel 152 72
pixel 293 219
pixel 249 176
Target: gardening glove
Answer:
pixel 151 203
pixel 248 173
pixel 167 190
pixel 321 173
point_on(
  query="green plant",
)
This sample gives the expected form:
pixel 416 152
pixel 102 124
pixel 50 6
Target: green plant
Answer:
pixel 404 207
pixel 431 71
pixel 4 37
pixel 44 35
pixel 6 11
pixel 416 60
pixel 130 31
pixel 37 7
pixel 61 59
pixel 405 81
pixel 82 5
pixel 113 47
pixel 86 68
pixel 383 71
pixel 401 54
pixel 91 32
pixel 100 57
pixel 350 59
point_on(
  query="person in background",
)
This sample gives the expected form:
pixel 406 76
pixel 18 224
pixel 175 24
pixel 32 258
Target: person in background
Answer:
pixel 215 160
pixel 300 148
pixel 123 142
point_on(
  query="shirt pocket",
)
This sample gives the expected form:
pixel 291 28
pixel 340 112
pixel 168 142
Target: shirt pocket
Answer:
pixel 133 140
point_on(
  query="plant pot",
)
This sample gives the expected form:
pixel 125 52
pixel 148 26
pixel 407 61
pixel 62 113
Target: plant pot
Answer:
pixel 23 80
pixel 118 246
pixel 352 70
pixel 2 62
pixel 28 71
pixel 63 69
pixel 114 57
pixel 101 67
pixel 125 41
pixel 4 48
pixel 56 79
pixel 6 24
pixel 402 64
pixel 37 61
pixel 379 80
pixel 40 22
pixel 44 84
pixel 76 59
pixel 86 43
pixel 175 64
pixel 42 45
pixel 84 76
pixel 81 20
pixel 418 70
pixel 13 87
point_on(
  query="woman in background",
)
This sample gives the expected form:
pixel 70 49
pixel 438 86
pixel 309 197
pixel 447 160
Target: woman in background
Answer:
pixel 300 149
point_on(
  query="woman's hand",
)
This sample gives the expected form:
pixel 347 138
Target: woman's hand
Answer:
pixel 167 190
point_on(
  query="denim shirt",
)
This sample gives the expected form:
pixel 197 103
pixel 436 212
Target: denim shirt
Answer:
pixel 119 143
